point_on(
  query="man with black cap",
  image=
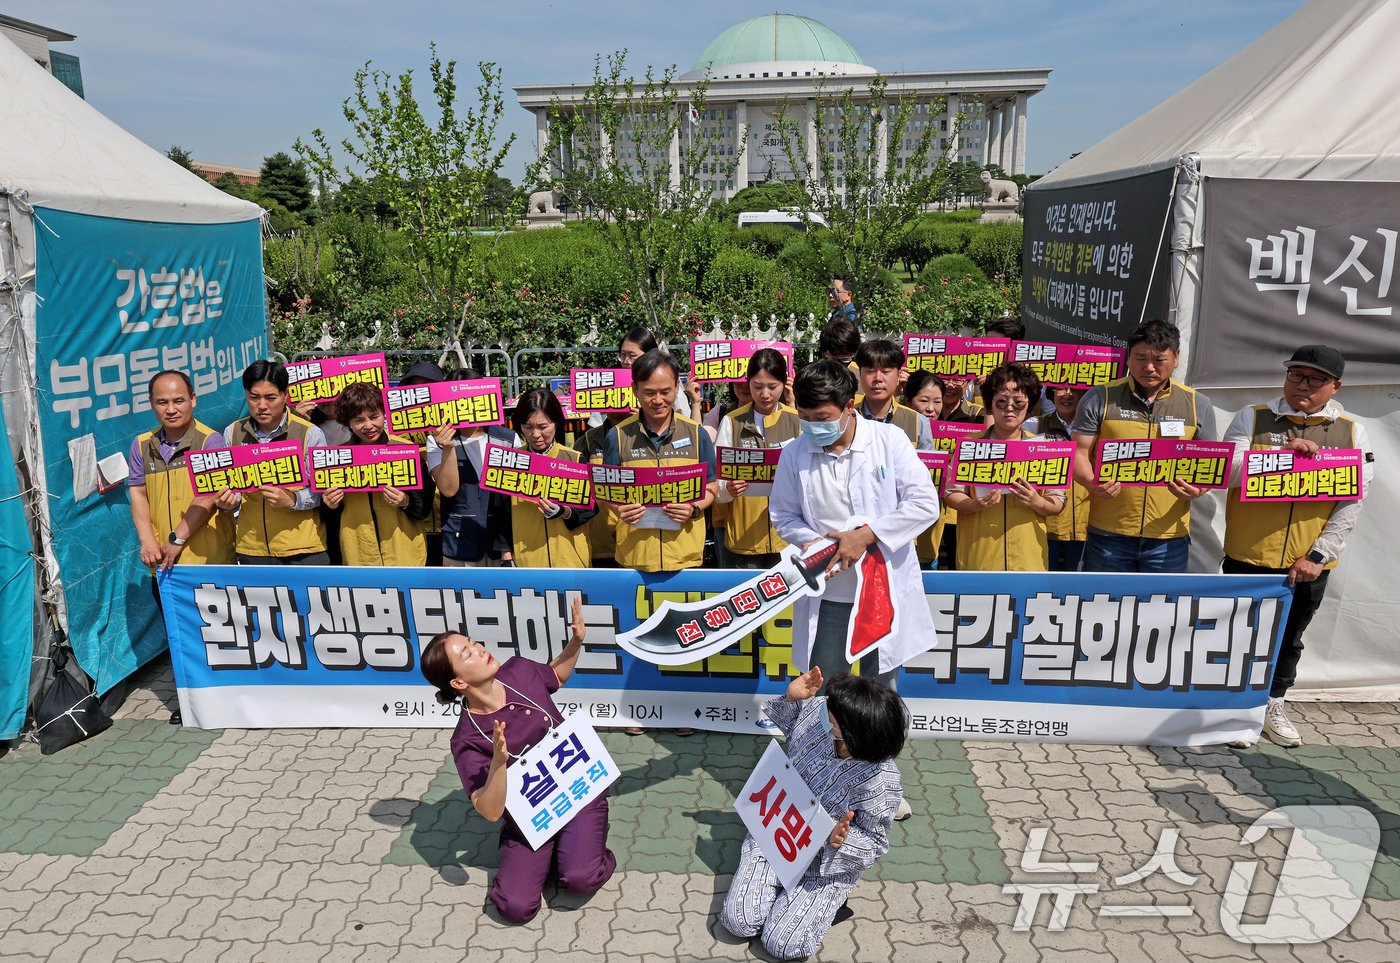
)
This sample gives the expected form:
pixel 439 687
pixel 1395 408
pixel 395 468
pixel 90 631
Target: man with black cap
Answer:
pixel 1299 540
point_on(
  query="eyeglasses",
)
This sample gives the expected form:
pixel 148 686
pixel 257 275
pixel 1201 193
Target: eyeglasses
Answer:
pixel 1007 404
pixel 627 359
pixel 1312 381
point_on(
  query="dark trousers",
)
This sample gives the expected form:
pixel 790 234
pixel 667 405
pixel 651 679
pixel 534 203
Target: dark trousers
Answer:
pixel 310 558
pixel 1065 555
pixel 579 853
pixel 829 646
pixel 1307 596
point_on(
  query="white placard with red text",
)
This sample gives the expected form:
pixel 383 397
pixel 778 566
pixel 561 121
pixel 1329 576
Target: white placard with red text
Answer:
pixel 785 817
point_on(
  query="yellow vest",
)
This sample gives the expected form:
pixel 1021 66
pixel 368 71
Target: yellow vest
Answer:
pixel 1009 537
pixel 652 549
pixel 170 494
pixel 541 542
pixel 602 527
pixel 373 532
pixel 266 530
pixel 1139 510
pixel 1275 535
pixel 1072 524
pixel 747 528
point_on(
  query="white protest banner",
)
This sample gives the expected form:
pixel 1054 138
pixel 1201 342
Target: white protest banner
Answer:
pixel 563 772
pixel 784 816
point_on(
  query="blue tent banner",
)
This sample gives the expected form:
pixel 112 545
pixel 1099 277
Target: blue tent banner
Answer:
pixel 1069 657
pixel 16 601
pixel 119 300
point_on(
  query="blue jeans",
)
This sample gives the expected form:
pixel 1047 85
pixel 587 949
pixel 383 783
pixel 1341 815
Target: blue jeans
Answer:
pixel 1128 553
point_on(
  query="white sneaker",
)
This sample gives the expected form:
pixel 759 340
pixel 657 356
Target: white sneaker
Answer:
pixel 903 812
pixel 1277 727
pixel 1241 744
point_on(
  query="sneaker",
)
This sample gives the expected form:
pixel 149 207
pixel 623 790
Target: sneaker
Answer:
pixel 1277 727
pixel 903 812
pixel 1240 744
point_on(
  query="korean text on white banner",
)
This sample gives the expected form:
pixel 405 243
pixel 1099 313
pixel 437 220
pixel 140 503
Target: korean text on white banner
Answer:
pixel 783 815
pixel 561 774
pixel 1298 262
pixel 1075 657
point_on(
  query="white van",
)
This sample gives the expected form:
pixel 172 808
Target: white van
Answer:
pixel 783 217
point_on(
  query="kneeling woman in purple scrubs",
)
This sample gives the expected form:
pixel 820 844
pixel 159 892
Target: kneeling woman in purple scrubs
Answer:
pixel 506 709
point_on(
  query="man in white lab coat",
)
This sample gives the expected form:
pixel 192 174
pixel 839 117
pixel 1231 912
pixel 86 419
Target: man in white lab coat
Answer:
pixel 842 466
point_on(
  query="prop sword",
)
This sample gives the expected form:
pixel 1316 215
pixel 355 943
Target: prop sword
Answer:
pixel 678 633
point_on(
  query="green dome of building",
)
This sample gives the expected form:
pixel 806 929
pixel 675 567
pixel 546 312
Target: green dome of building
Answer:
pixel 779 38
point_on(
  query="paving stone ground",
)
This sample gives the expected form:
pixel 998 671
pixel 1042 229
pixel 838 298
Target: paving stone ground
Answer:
pixel 153 842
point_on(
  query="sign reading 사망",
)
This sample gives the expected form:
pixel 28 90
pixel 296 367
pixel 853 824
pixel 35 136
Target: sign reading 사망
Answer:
pixel 784 816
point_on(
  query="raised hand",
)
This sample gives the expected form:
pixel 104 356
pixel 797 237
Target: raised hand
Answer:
pixel 805 685
pixel 841 830
pixel 499 754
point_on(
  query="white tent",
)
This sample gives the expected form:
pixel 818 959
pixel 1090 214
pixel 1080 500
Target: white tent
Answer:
pixel 114 264
pixel 1307 109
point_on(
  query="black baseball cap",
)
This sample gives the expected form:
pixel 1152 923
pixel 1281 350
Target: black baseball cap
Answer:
pixel 1319 356
pixel 423 371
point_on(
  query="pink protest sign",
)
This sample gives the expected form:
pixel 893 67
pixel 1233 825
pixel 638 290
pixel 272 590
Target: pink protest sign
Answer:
pixel 626 485
pixel 459 404
pixel 323 379
pixel 952 356
pixel 992 464
pixel 938 463
pixel 947 434
pixel 365 468
pixel 524 474
pixel 246 468
pixel 1204 464
pixel 747 464
pixel 602 389
pixel 729 360
pixel 1333 475
pixel 1069 365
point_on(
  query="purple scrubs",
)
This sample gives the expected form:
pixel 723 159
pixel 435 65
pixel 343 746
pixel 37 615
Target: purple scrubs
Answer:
pixel 578 852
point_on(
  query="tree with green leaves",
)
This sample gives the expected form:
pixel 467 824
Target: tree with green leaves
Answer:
pixel 848 157
pixel 182 157
pixel 285 180
pixel 434 174
pixel 630 154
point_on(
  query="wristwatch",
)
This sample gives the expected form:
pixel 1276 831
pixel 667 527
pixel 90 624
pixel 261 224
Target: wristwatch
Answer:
pixel 1317 558
pixel 176 539
pixel 695 510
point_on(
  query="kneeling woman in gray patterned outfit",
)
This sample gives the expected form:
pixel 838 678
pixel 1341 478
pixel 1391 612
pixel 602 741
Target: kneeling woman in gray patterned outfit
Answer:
pixel 844 747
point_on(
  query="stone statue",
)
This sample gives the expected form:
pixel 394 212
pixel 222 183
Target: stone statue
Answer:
pixel 545 202
pixel 999 192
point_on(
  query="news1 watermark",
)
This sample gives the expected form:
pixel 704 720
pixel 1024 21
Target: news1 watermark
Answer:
pixel 1315 895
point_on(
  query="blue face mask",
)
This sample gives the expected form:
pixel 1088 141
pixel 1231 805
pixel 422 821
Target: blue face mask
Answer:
pixel 823 433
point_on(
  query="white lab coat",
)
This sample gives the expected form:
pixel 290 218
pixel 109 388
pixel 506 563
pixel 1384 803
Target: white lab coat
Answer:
pixel 891 488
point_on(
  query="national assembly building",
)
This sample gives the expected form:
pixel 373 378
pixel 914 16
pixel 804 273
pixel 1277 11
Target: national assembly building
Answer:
pixel 756 66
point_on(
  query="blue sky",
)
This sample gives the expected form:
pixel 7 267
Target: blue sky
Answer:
pixel 234 82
